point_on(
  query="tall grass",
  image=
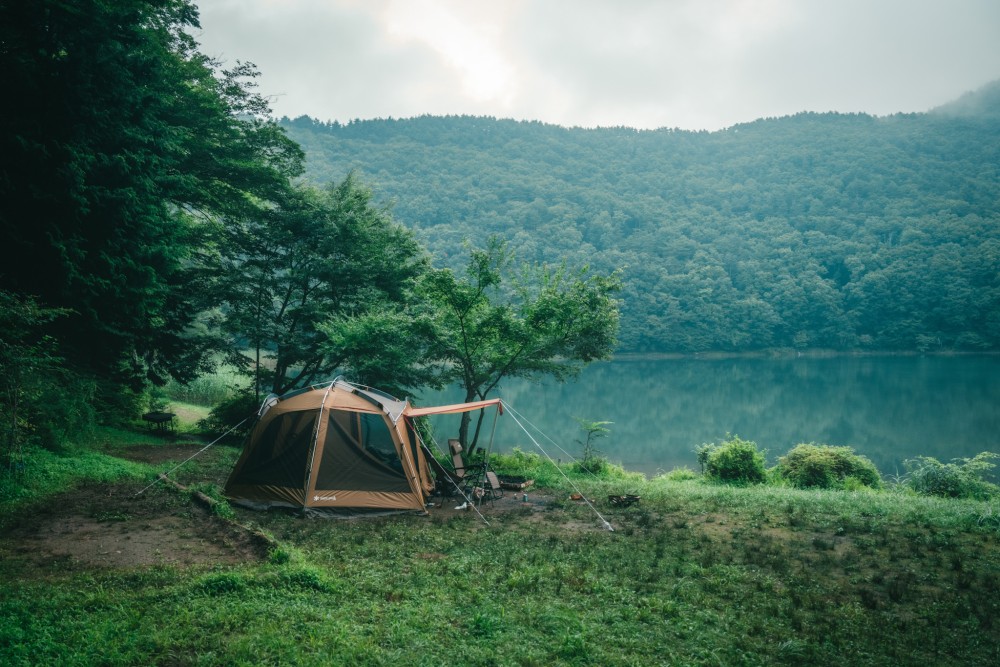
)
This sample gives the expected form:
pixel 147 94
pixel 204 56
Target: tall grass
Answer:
pixel 207 390
pixel 45 472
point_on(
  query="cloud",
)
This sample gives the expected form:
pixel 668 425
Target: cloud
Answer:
pixel 323 59
pixel 653 64
pixel 694 64
pixel 465 42
pixel 880 57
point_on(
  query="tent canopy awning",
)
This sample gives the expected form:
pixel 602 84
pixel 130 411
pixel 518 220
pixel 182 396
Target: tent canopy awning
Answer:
pixel 454 408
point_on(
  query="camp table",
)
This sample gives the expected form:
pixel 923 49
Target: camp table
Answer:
pixel 160 420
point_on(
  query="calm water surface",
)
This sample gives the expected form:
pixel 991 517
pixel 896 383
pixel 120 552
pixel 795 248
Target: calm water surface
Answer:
pixel 887 408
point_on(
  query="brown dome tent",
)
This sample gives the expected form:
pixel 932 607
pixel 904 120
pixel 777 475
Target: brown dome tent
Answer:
pixel 336 445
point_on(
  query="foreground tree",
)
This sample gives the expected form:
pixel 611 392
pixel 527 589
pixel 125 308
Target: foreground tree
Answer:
pixel 390 347
pixel 546 322
pixel 296 281
pixel 118 139
pixel 29 370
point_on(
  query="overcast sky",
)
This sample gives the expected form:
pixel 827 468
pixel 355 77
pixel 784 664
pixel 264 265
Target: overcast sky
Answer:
pixel 692 64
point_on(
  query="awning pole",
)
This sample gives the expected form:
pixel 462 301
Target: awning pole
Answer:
pixel 493 431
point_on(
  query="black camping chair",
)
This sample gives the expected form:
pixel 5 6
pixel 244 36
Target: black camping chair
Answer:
pixel 471 475
pixel 461 478
pixel 482 483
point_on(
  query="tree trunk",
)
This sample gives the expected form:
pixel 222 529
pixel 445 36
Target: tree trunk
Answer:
pixel 463 428
pixel 479 427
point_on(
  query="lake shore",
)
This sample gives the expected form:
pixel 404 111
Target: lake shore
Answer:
pixel 788 353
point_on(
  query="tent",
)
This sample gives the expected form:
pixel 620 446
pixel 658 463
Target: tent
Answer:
pixel 336 445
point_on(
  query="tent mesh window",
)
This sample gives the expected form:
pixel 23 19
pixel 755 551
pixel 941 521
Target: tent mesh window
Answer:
pixel 279 457
pixel 375 437
pixel 359 454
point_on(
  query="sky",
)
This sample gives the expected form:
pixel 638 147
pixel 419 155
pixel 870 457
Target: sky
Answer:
pixel 688 64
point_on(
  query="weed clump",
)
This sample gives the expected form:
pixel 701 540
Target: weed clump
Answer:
pixel 222 583
pixel 682 474
pixel 734 461
pixel 827 467
pixel 962 478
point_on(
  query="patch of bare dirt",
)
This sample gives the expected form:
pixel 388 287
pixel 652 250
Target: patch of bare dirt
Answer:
pixel 540 506
pixel 108 526
pixel 105 526
pixel 157 454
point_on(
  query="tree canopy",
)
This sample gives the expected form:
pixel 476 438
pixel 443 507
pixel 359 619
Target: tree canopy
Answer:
pixel 543 322
pixel 148 199
pixel 323 254
pixel 117 139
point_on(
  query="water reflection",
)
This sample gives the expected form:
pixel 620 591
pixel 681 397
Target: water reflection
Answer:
pixel 887 408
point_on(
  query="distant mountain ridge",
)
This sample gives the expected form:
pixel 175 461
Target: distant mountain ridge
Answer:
pixel 842 231
pixel 981 103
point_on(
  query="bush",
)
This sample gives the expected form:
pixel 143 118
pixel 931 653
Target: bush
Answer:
pixel 231 412
pixel 963 478
pixel 827 467
pixel 592 465
pixel 734 461
pixel 682 474
pixel 42 403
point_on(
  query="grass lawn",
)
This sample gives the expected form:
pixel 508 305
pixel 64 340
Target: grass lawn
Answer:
pixel 694 574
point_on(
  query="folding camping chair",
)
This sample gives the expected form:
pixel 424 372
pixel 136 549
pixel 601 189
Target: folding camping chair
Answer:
pixel 492 488
pixel 484 486
pixel 465 476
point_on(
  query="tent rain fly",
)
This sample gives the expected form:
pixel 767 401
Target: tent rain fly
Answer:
pixel 337 445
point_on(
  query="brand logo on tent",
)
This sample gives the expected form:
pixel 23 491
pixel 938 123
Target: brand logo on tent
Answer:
pixel 317 498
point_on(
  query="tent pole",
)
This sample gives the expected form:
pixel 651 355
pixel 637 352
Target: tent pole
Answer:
pixel 312 455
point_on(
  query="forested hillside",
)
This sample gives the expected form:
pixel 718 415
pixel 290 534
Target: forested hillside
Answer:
pixel 810 231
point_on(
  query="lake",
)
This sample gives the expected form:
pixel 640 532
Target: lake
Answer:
pixel 888 408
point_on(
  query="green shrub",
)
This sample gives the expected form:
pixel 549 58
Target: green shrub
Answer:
pixel 734 461
pixel 279 555
pixel 963 478
pixel 118 405
pixel 702 451
pixel 231 412
pixel 42 402
pixel 593 465
pixel 527 464
pixel 592 462
pixel 682 474
pixel 827 467
pixel 285 553
pixel 222 583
